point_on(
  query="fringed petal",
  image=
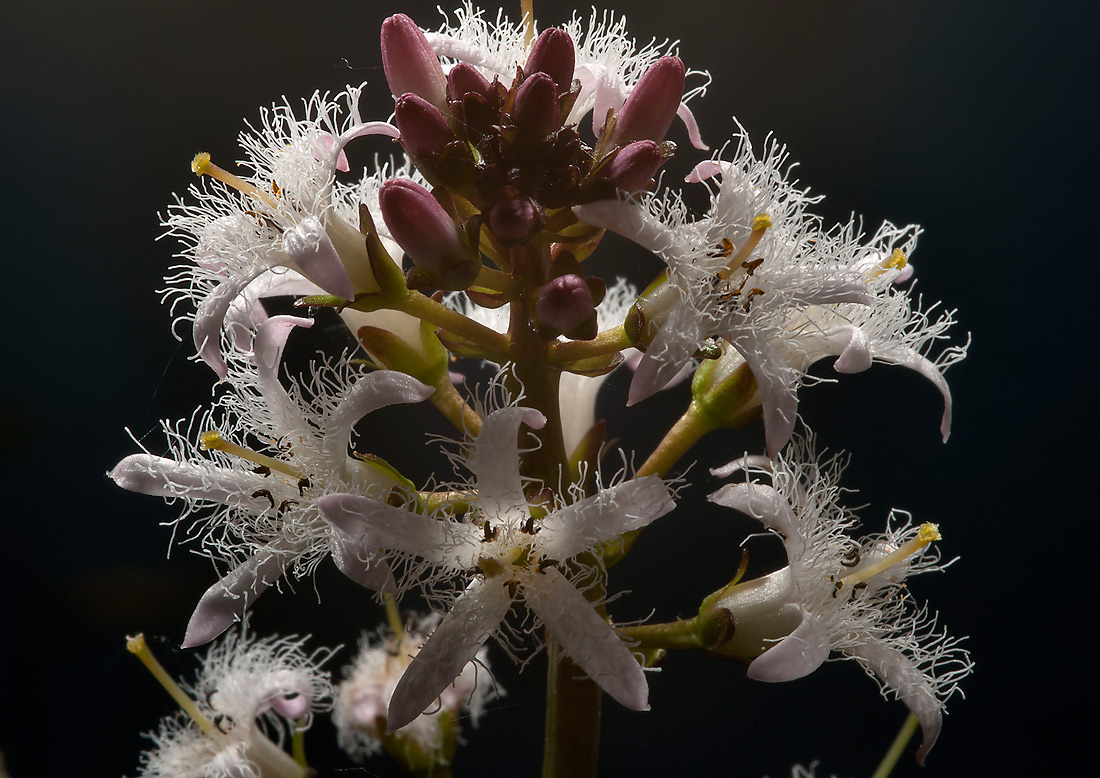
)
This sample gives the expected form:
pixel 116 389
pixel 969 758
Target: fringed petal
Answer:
pixel 162 477
pixel 907 357
pixel 797 655
pixel 770 508
pixel 226 601
pixel 369 393
pixel 210 317
pixel 311 249
pixel 271 339
pixel 495 463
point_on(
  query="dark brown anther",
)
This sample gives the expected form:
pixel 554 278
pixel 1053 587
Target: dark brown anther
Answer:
pixel 219 720
pixel 303 484
pixel 545 563
pixel 263 470
pixel 490 532
pixel 752 265
pixel 851 559
pixel 284 506
pixel 263 493
pixel 529 526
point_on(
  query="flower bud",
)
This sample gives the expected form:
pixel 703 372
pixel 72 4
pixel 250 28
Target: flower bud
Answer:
pixel 424 130
pixel 410 63
pixel 536 111
pixel 464 79
pixel 516 220
pixel 652 104
pixel 634 166
pixel 564 303
pixel 427 234
pixel 554 55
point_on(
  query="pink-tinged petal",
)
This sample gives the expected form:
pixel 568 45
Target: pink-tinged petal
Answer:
pixel 704 171
pixel 247 312
pixel 226 601
pixel 371 392
pixel 904 274
pixel 692 127
pixel 778 385
pixel 495 462
pixel 912 687
pixel 907 357
pixel 770 508
pixel 607 97
pixel 628 220
pixel 826 288
pixel 756 461
pixel 373 573
pixel 797 655
pixel 604 516
pixel 442 543
pixel 669 354
pixel 310 248
pixel 853 347
pixel 322 150
pixel 267 350
pixel 369 128
pixel 162 477
pixel 586 638
pixel 210 317
pixel 476 614
pixel 292 707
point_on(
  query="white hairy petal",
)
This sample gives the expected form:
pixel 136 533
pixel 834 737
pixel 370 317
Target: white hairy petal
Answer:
pixel 495 463
pixel 476 614
pixel 798 654
pixel 311 249
pixel 162 477
pixel 768 506
pixel 226 601
pixel 271 339
pixel 210 316
pixel 586 638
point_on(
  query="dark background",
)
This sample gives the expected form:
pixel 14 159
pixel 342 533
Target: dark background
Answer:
pixel 974 119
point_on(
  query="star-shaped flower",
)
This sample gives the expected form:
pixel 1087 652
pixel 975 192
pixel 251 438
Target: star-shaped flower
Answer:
pixel 510 555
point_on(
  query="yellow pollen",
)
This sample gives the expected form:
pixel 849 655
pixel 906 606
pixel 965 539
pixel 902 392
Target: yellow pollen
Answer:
pixel 927 533
pixel 895 261
pixel 213 440
pixel 202 166
pixel 760 224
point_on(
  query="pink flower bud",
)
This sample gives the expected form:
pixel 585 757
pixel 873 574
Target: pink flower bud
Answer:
pixel 564 303
pixel 410 63
pixel 516 220
pixel 652 104
pixel 465 78
pixel 536 111
pixel 554 55
pixel 424 130
pixel 634 165
pixel 427 234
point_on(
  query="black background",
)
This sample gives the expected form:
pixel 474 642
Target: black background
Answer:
pixel 976 120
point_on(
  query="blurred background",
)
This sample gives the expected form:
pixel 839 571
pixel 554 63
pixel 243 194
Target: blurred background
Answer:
pixel 976 120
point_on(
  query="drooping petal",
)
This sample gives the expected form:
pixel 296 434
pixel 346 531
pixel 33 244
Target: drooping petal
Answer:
pixel 913 687
pixel 798 654
pixel 778 385
pixel 771 508
pixel 447 544
pixel 210 316
pixel 692 127
pixel 852 346
pixel 474 617
pixel 371 573
pixel 371 392
pixel 742 463
pixel 907 357
pixel 495 462
pixel 271 339
pixel 668 354
pixel 311 249
pixel 162 477
pixel 604 516
pixel 586 638
pixel 226 601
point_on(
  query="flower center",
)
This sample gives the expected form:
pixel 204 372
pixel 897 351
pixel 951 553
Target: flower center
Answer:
pixel 760 224
pixel 202 166
pixel 927 533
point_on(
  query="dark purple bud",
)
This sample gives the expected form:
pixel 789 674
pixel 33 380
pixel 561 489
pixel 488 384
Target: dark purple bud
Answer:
pixel 427 234
pixel 536 111
pixel 554 55
pixel 465 78
pixel 516 220
pixel 410 63
pixel 652 104
pixel 564 303
pixel 634 166
pixel 424 129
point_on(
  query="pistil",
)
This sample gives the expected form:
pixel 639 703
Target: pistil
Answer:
pixel 213 440
pixel 927 533
pixel 895 261
pixel 137 646
pixel 760 224
pixel 202 166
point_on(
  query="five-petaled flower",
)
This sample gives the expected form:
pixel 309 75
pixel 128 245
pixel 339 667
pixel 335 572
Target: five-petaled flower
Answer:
pixel 510 555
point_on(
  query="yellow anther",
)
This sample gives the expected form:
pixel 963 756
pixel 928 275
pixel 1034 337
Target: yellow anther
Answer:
pixel 202 166
pixel 213 440
pixel 895 261
pixel 761 223
pixel 927 533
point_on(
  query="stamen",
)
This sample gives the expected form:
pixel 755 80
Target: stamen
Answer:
pixel 136 645
pixel 895 261
pixel 925 535
pixel 761 224
pixel 527 8
pixel 213 440
pixel 202 166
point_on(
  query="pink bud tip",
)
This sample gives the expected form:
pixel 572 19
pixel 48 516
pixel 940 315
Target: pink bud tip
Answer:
pixel 554 55
pixel 564 303
pixel 410 63
pixel 652 104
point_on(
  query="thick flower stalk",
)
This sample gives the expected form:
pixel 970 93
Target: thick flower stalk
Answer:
pixel 847 596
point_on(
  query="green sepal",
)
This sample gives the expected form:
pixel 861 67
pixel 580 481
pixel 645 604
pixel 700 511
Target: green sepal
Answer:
pixel 726 400
pixel 400 489
pixel 320 301
pixel 461 347
pixel 391 281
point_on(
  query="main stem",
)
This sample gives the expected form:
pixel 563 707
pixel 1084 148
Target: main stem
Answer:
pixel 572 720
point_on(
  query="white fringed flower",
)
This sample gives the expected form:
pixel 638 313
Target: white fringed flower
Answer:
pixel 608 61
pixel 246 694
pixel 286 227
pixel 509 556
pixel 363 699
pixel 759 273
pixel 851 595
pixel 265 519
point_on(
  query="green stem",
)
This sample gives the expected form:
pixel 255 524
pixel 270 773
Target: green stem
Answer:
pixel 456 410
pixel 674 635
pixel 897 747
pixel 606 342
pixel 424 307
pixel 694 424
pixel 572 719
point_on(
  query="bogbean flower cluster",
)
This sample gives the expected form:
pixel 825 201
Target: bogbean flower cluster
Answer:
pixel 521 148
